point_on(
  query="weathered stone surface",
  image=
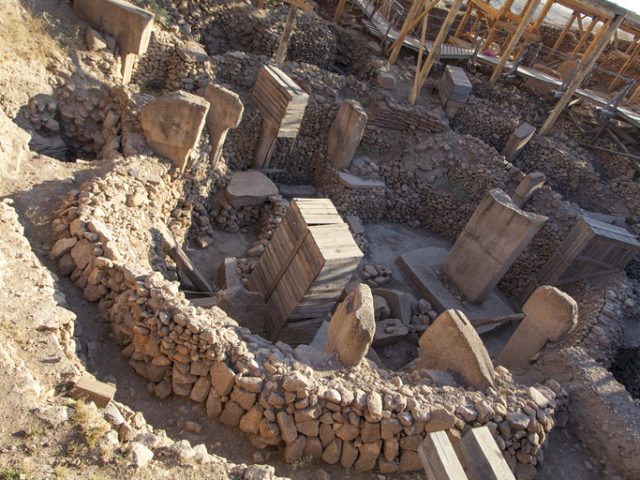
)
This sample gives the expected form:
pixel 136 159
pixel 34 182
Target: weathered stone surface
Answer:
pixel 549 315
pixel 250 421
pixel 352 326
pixel 440 419
pixel 249 188
pixel 225 113
pixel 172 125
pixel 345 133
pixel 287 426
pixel 295 382
pixel 293 451
pixel 192 52
pixel 231 414
pixel 368 456
pixel 400 303
pixel 490 243
pixel 527 187
pixel 140 455
pixel 518 140
pixel 222 378
pixel 451 343
pixel 348 455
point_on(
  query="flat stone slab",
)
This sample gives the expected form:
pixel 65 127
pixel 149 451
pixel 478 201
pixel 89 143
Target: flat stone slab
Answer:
pixel 418 267
pixel 357 183
pixel 249 188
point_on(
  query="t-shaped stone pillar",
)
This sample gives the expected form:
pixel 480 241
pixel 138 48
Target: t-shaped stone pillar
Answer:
pixel 549 315
pixel 527 187
pixel 225 113
pixel 518 140
pixel 345 133
pixel 496 234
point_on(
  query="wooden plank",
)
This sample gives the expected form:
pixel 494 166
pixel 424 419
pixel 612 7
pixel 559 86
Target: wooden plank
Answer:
pixel 483 458
pixel 90 389
pixel 439 459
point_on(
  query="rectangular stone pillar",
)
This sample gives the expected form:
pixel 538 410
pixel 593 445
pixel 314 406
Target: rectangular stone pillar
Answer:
pixel 518 140
pixel 494 237
pixel 345 133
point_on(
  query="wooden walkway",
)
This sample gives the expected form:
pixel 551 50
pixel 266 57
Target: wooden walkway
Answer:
pixel 625 114
pixel 379 26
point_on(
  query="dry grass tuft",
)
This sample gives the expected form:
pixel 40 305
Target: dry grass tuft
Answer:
pixel 23 36
pixel 90 423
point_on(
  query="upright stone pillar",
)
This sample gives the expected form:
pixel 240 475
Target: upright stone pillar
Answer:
pixel 345 133
pixel 225 113
pixel 518 140
pixel 549 315
pixel 527 187
pixel 494 237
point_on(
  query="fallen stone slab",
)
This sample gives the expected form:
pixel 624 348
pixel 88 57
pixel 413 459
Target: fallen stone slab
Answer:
pixel 249 188
pixel 420 268
pixel 352 326
pixel 90 389
pixel 452 344
pixel 401 304
pixel 356 183
pixel 172 125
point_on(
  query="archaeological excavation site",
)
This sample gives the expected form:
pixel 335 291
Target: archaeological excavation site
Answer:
pixel 331 239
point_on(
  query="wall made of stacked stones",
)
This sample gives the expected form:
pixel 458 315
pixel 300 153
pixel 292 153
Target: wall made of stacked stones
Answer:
pixel 103 234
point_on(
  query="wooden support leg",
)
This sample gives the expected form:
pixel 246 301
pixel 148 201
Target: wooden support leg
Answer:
pixel 266 143
pixel 281 53
pixel 339 10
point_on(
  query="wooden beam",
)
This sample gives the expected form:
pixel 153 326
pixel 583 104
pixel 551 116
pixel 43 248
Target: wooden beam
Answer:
pixel 435 50
pixel 626 65
pixel 483 458
pixel 465 19
pixel 584 37
pixel 580 26
pixel 563 34
pixel 514 41
pixel 543 14
pixel 582 72
pixel 506 7
pixel 594 42
pixel 339 10
pixel 281 53
pixel 412 20
pixel 635 95
pixel 423 35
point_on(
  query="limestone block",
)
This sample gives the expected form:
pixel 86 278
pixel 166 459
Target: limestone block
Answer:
pixel 130 25
pixel 172 125
pixel 345 133
pixel 249 188
pixel 225 113
pixel 352 326
pixel 490 243
pixel 527 187
pixel 549 315
pixel 452 344
pixel 518 140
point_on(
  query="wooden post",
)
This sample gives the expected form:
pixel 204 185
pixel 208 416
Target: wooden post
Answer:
pixel 281 53
pixel 435 50
pixel 563 34
pixel 583 71
pixel 592 45
pixel 412 20
pixel 494 29
pixel 624 67
pixel 514 41
pixel 339 10
pixel 631 46
pixel 423 35
pixel 585 36
pixel 465 19
pixel 543 15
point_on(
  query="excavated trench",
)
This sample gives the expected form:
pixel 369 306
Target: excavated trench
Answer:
pixel 626 369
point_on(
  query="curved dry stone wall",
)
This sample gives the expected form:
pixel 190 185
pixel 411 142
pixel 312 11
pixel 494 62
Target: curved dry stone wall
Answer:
pixel 362 417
